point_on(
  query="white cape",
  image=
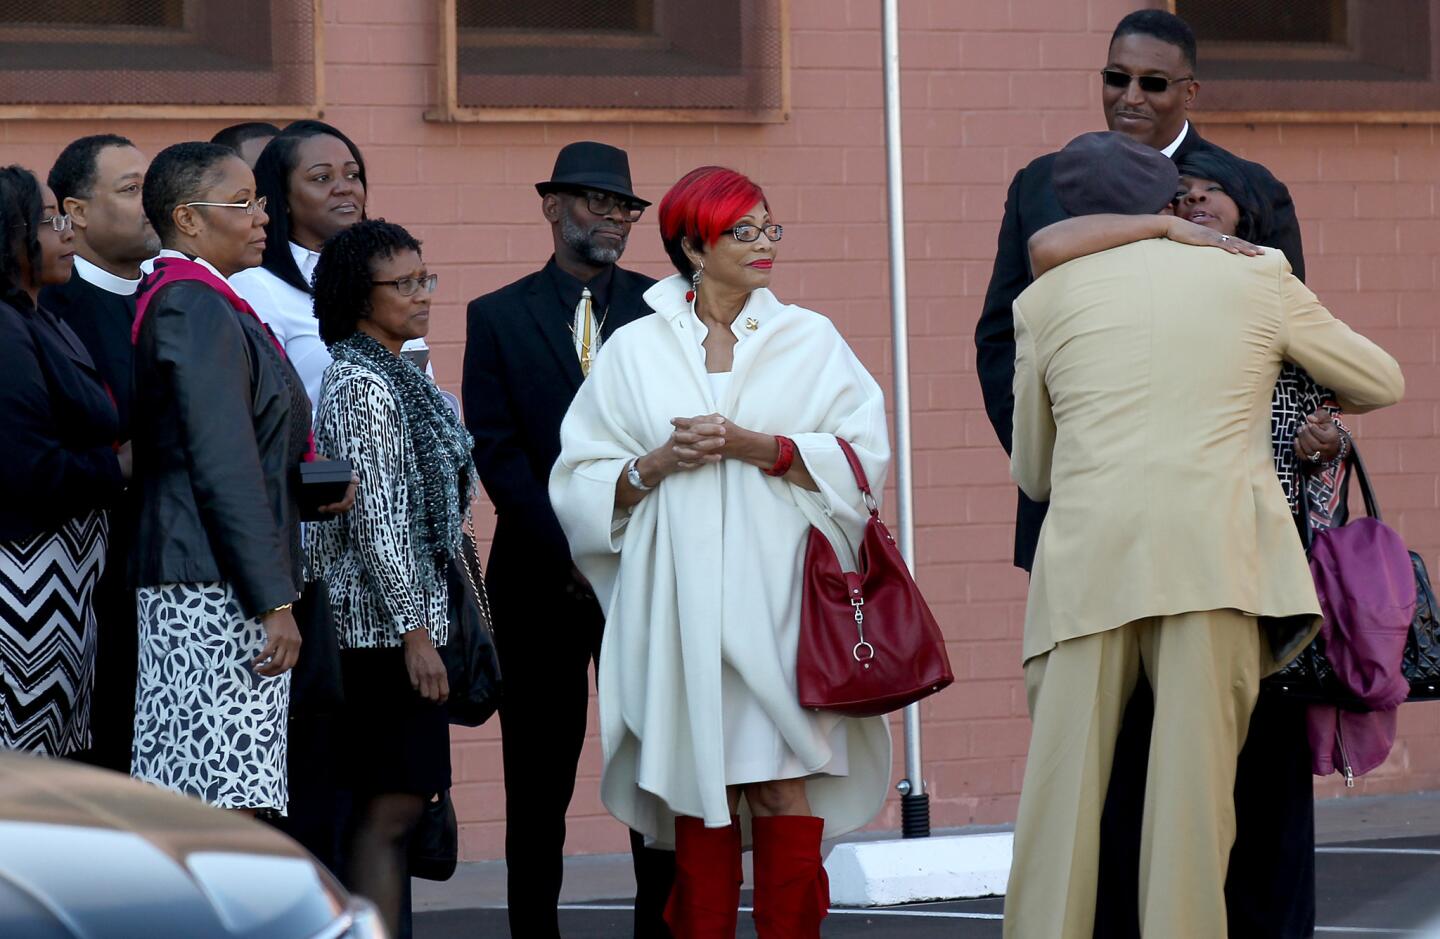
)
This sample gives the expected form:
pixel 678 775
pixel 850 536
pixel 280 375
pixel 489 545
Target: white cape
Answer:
pixel 713 556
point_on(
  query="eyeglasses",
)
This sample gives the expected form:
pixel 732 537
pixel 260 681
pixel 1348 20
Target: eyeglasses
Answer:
pixel 251 206
pixel 1150 84
pixel 603 203
pixel 749 233
pixel 406 286
pixel 58 222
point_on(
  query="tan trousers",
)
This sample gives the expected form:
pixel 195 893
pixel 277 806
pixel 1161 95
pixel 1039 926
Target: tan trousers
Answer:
pixel 1205 669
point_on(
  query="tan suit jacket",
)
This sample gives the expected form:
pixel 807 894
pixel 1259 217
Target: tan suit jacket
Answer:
pixel 1143 381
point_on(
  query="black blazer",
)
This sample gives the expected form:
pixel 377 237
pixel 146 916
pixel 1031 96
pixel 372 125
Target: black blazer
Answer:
pixel 521 373
pixel 221 424
pixel 103 321
pixel 57 423
pixel 1030 205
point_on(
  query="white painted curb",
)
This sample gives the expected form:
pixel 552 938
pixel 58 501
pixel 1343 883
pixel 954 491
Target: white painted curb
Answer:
pixel 953 867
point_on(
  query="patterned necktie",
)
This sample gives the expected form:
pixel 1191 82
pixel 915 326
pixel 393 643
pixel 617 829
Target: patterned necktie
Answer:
pixel 586 332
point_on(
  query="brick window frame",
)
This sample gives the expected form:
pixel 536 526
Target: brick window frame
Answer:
pixel 1369 73
pixel 294 83
pixel 455 105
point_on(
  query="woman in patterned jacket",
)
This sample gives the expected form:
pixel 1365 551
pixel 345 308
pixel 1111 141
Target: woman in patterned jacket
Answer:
pixel 385 563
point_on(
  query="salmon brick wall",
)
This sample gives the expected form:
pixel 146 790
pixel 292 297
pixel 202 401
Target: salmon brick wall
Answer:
pixel 987 85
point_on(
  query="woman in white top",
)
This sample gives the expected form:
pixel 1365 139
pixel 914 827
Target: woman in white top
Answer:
pixel 694 460
pixel 313 177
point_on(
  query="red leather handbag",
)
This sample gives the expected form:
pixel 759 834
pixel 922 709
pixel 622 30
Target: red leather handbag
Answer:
pixel 868 642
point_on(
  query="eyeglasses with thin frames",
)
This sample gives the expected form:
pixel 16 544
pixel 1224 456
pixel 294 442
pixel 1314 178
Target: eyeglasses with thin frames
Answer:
pixel 603 203
pixel 406 286
pixel 58 222
pixel 749 233
pixel 1150 84
pixel 251 206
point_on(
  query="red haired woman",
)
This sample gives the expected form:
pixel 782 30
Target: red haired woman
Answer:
pixel 694 460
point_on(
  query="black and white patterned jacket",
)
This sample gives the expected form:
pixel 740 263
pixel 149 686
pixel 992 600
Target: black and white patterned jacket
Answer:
pixel 366 557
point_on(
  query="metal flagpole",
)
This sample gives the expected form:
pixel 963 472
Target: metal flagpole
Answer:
pixel 914 802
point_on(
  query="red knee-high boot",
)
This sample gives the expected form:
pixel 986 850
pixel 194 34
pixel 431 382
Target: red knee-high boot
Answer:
pixel 705 901
pixel 792 893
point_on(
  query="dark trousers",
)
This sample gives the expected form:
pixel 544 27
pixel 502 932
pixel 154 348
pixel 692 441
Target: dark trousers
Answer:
pixel 545 661
pixel 1270 890
pixel 117 652
pixel 318 806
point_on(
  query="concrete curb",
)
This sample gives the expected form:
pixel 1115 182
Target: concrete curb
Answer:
pixel 885 873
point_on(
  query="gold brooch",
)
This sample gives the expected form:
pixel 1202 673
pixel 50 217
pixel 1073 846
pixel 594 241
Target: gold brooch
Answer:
pixel 751 323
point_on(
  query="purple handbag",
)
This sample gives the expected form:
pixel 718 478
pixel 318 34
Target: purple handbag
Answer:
pixel 1366 586
pixel 1367 589
pixel 1343 562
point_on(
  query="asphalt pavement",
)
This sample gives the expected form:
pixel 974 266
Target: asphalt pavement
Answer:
pixel 1377 875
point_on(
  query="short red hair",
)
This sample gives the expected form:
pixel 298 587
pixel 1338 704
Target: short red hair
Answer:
pixel 702 206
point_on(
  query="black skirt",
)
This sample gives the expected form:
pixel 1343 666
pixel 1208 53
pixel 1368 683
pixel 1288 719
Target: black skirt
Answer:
pixel 394 740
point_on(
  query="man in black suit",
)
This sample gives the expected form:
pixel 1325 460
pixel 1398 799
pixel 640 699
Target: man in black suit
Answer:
pixel 97 183
pixel 528 347
pixel 1271 887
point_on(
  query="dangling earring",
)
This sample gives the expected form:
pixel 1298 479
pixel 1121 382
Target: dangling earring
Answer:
pixel 695 283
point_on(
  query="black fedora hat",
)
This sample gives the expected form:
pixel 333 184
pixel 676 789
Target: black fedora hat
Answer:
pixel 590 165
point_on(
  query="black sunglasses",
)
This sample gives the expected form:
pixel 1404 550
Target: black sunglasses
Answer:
pixel 1150 84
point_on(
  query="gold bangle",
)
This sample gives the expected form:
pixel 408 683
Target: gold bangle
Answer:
pixel 279 609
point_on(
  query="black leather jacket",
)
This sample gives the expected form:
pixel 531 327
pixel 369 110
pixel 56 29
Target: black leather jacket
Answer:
pixel 221 422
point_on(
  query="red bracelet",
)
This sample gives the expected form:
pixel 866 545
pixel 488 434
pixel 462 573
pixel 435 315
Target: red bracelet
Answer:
pixel 785 459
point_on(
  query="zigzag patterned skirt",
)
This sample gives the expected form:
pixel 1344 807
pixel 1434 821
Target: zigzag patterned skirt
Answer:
pixel 47 636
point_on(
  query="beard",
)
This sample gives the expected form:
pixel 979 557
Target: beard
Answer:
pixel 582 242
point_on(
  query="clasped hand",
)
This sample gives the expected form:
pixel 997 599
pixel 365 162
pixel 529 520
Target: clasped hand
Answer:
pixel 703 439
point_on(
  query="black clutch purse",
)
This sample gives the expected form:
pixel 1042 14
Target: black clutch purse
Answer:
pixel 435 845
pixel 322 482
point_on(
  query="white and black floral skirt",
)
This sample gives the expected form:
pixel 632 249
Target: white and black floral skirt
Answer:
pixel 205 723
pixel 47 636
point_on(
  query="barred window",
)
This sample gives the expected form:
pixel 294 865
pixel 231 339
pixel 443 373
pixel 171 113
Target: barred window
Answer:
pixel 63 58
pixel 1317 60
pixel 614 59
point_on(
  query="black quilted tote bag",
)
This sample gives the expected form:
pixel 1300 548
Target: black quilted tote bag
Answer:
pixel 1422 650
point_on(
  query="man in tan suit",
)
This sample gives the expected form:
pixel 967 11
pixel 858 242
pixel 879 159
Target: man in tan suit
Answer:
pixel 1142 413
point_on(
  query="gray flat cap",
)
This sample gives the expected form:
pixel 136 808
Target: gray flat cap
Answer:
pixel 1108 172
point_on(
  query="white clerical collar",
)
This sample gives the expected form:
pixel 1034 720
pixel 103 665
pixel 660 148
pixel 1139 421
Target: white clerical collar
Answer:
pixel 168 253
pixel 305 259
pixel 97 276
pixel 1175 144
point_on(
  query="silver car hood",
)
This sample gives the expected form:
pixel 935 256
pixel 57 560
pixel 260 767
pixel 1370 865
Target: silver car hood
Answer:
pixel 88 854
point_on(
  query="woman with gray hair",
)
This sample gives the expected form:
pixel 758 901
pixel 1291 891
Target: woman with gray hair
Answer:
pixel 221 423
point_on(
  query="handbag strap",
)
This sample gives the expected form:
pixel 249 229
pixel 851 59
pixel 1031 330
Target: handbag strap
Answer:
pixel 861 479
pixel 1367 492
pixel 1372 505
pixel 474 571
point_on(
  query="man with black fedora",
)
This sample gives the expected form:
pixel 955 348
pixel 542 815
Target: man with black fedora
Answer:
pixel 1142 375
pixel 528 347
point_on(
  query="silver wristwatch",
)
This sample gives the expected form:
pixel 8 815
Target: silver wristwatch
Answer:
pixel 632 475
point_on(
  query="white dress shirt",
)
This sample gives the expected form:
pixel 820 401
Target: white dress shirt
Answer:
pixel 97 276
pixel 290 314
pixel 1175 144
